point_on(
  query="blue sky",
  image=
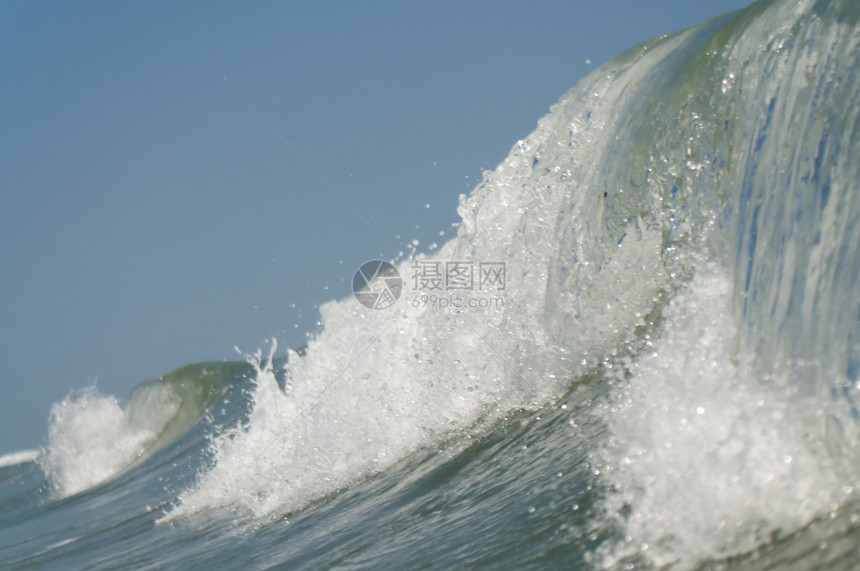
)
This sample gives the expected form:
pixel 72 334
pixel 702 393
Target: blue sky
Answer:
pixel 151 217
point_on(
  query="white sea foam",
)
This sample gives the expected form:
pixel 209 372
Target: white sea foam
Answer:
pixel 20 457
pixel 377 385
pixel 706 460
pixel 91 437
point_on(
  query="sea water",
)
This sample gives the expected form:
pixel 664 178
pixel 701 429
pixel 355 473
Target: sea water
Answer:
pixel 659 369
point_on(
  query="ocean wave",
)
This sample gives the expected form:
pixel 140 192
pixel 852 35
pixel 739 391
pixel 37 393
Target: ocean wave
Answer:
pixel 673 257
pixel 693 198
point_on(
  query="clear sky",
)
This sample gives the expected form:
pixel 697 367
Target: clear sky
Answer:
pixel 152 214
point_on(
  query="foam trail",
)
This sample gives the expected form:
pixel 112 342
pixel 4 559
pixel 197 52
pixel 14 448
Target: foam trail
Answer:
pixel 20 457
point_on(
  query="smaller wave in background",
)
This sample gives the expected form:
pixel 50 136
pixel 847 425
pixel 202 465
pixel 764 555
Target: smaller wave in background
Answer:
pixel 92 437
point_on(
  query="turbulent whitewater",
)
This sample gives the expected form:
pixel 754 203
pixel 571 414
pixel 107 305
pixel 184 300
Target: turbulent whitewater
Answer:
pixel 670 378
